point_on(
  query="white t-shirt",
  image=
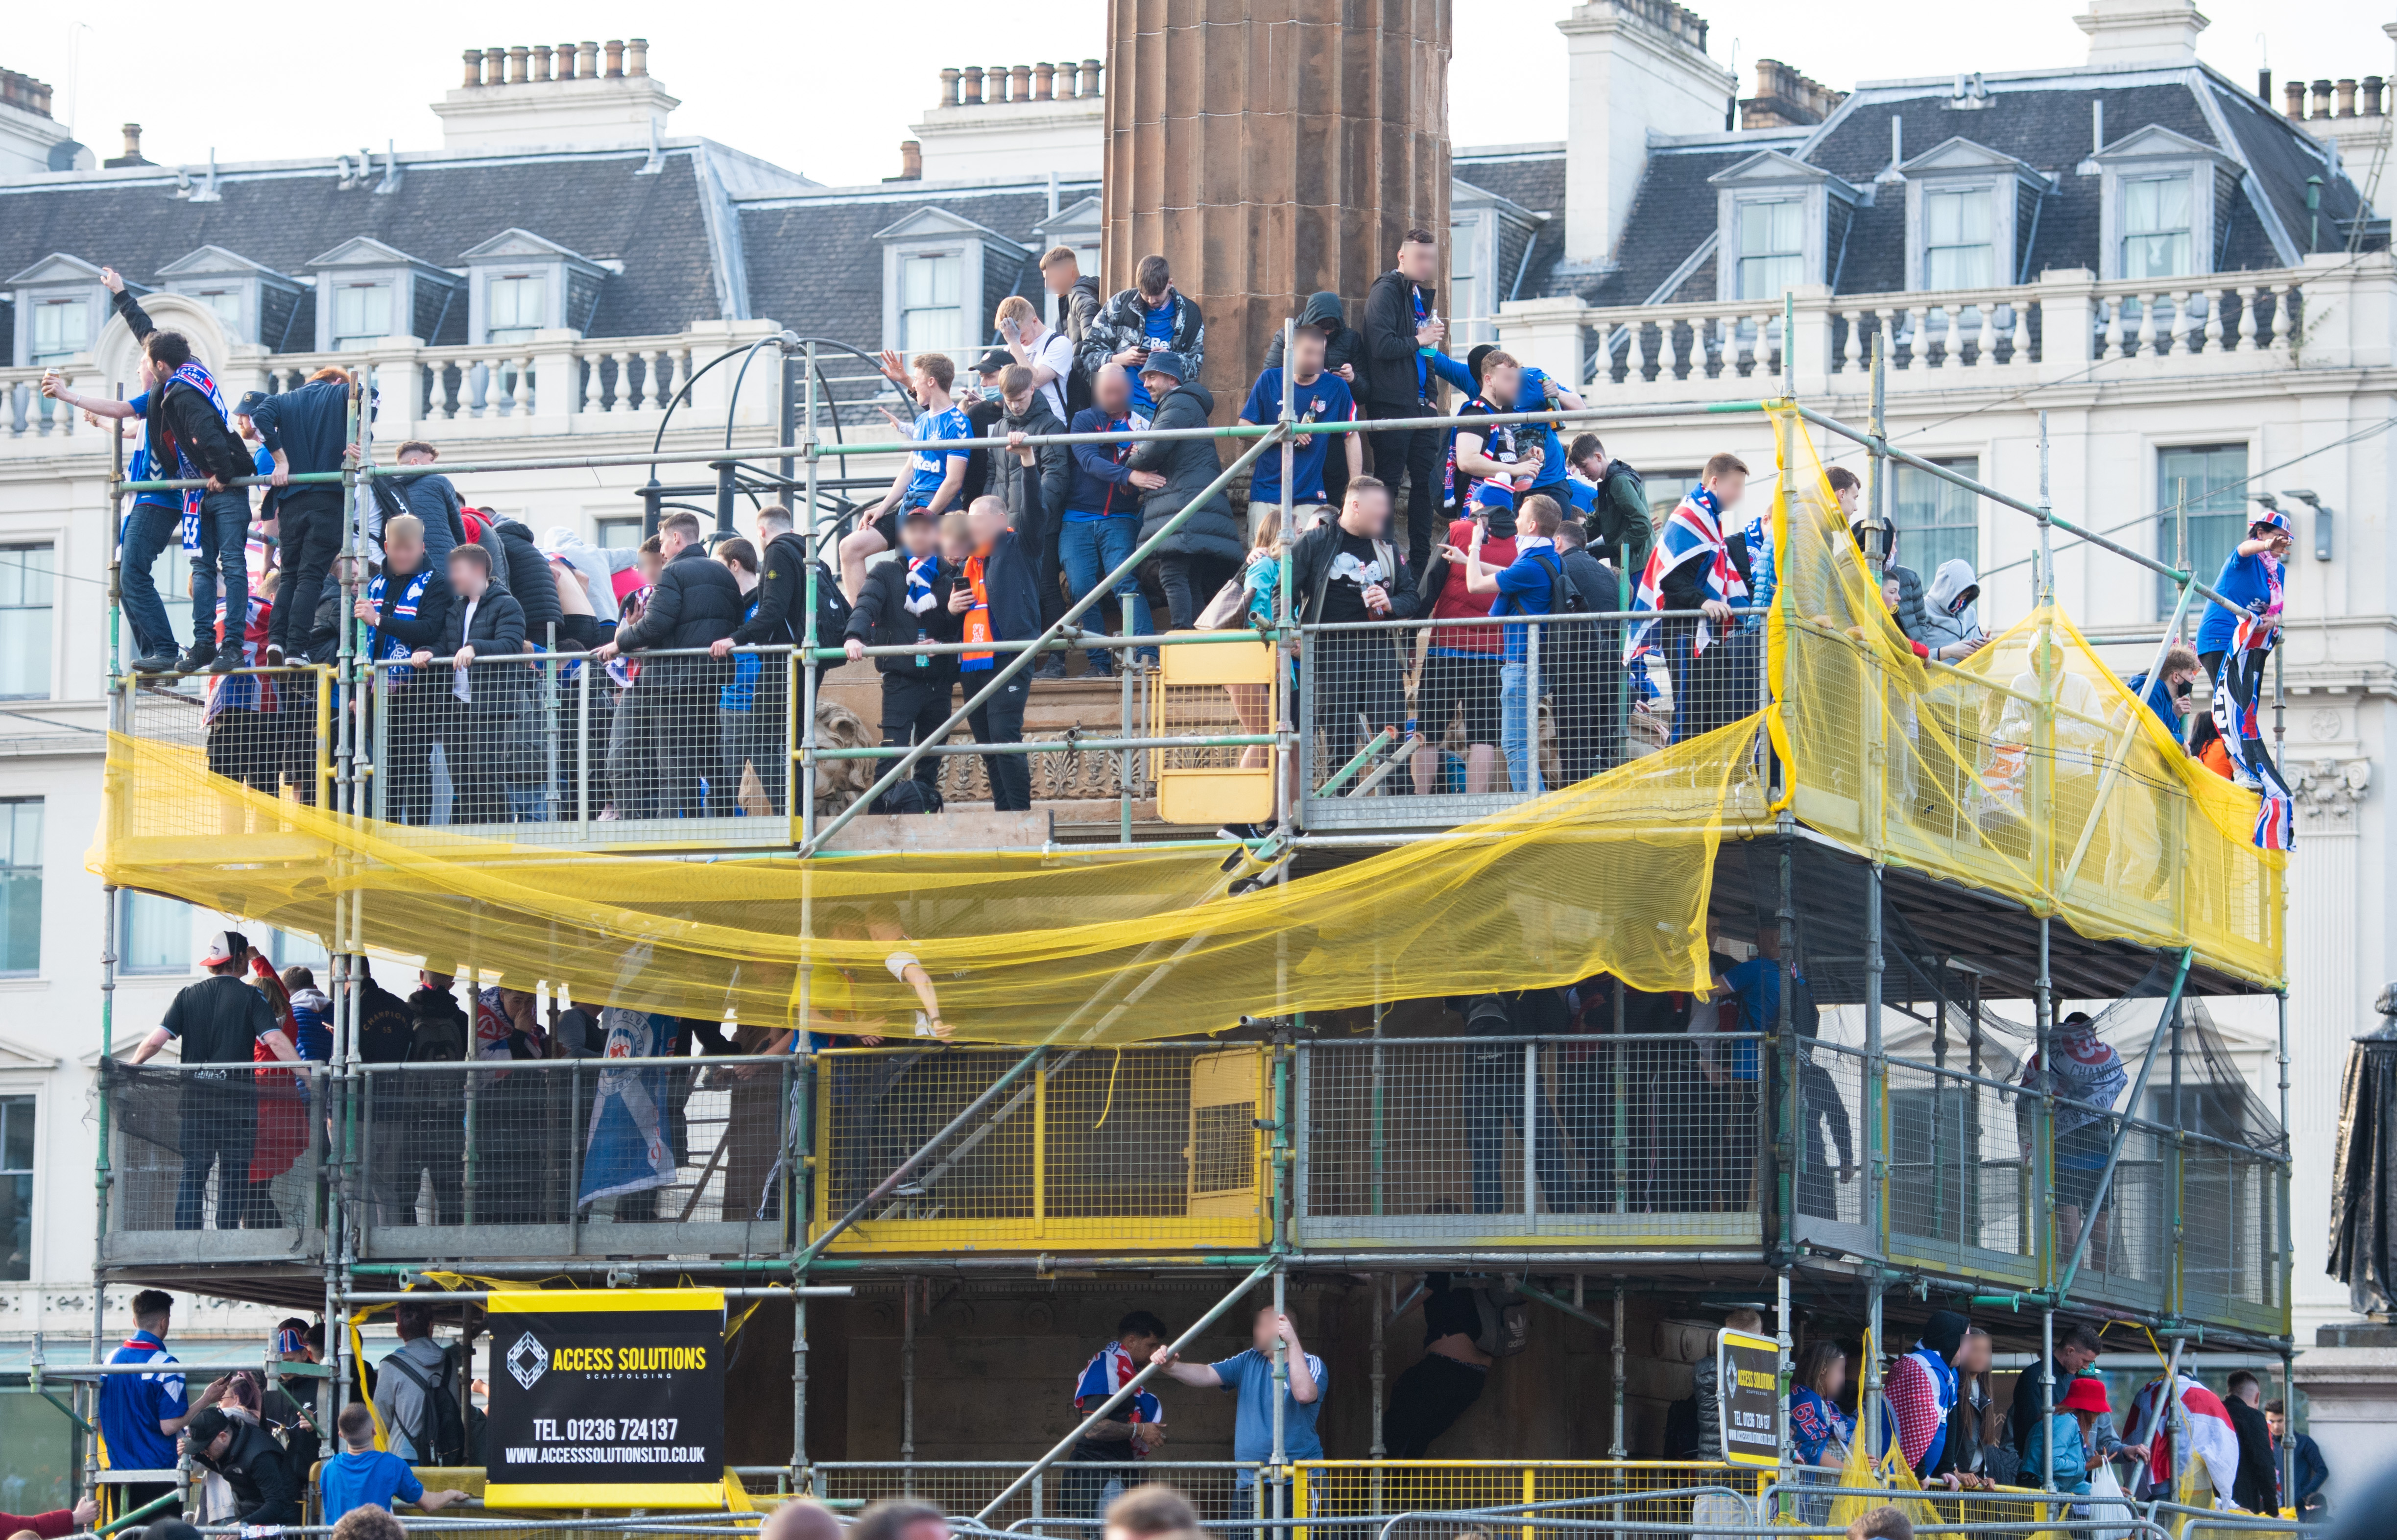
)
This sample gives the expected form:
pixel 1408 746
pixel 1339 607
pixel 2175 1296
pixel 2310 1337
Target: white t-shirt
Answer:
pixel 899 962
pixel 1055 350
pixel 460 686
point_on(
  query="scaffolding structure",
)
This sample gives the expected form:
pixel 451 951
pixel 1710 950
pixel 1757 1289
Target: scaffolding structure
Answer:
pixel 1283 1148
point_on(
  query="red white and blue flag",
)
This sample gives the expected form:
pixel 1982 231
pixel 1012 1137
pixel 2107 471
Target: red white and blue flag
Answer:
pixel 1109 1371
pixel 1693 534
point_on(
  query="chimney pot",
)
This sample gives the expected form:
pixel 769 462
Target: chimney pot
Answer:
pixel 949 78
pixel 2373 86
pixel 133 141
pixel 2264 85
pixel 541 62
pixel 587 61
pixel 636 56
pixel 565 56
pixel 615 59
pixel 1023 88
pixel 910 160
pixel 973 85
pixel 2347 98
pixel 495 66
pixel 473 68
pixel 2293 99
pixel 1090 77
pixel 2322 98
pixel 994 81
pixel 1043 77
pixel 519 57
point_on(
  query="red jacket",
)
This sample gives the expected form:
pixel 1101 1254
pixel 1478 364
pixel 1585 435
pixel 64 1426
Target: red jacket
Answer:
pixel 49 1526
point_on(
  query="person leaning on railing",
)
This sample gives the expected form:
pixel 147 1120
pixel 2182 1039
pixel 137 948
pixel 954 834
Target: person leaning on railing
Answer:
pixel 1346 570
pixel 695 603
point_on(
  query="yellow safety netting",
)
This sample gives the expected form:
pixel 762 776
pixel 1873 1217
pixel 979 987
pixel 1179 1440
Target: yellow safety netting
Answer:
pixel 1610 876
pixel 2028 768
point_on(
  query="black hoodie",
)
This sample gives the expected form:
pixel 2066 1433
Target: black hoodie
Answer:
pixel 530 580
pixel 1188 465
pixel 182 416
pixel 1341 341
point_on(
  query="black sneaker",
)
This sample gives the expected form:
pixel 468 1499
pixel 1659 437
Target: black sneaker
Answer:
pixel 1051 667
pixel 225 661
pixel 196 657
pixel 155 662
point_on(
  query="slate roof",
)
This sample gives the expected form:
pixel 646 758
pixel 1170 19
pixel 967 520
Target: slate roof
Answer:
pixel 2043 119
pixel 658 226
pixel 813 263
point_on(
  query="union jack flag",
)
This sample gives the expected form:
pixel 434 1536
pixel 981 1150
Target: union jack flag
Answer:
pixel 1693 534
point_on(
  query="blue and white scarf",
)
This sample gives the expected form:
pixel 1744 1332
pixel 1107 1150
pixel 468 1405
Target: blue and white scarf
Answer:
pixel 195 375
pixel 922 572
pixel 2238 697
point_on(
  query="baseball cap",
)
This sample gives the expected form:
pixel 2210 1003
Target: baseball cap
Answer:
pixel 1167 362
pixel 223 947
pixel 249 402
pixel 993 362
pixel 2272 516
pixel 1493 494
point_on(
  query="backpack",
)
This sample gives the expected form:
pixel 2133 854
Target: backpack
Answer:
pixel 832 609
pixel 439 1040
pixel 1505 1322
pixel 440 1434
pixel 1803 1016
pixel 909 796
pixel 1563 598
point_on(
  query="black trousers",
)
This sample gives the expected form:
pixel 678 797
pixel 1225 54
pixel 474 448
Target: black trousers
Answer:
pixel 1001 720
pixel 411 710
pixel 217 1130
pixel 310 537
pixel 473 739
pixel 1426 1402
pixel 1581 673
pixel 1415 454
pixel 1189 583
pixel 914 706
pixel 679 748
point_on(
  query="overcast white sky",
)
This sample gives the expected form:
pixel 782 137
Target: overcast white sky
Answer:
pixel 828 89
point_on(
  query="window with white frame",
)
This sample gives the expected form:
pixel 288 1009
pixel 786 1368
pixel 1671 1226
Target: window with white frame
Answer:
pixel 26 579
pixel 620 534
pixel 1960 237
pixel 16 1188
pixel 361 314
pixel 1938 521
pixel 515 306
pixel 62 328
pixel 931 306
pixel 154 934
pixel 1771 247
pixel 224 303
pixel 2213 478
pixel 1464 296
pixel 21 886
pixel 2157 213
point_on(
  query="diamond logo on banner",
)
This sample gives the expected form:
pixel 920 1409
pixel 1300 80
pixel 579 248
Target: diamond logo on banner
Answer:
pixel 527 1360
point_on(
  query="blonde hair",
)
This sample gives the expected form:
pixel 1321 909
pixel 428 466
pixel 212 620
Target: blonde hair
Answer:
pixel 1056 254
pixel 954 527
pixel 403 527
pixel 1016 308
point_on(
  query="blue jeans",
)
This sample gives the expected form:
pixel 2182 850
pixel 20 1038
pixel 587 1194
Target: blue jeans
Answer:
pixel 1515 727
pixel 224 549
pixel 147 529
pixel 1093 548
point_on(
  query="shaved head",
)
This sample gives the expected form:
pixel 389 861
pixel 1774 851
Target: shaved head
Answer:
pixel 801 1518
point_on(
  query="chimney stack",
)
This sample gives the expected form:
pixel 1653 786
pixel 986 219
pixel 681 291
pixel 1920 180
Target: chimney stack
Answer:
pixel 518 57
pixel 541 62
pixel 1021 91
pixel 637 56
pixel 1090 77
pixel 973 85
pixel 2322 98
pixel 911 161
pixel 949 79
pixel 495 66
pixel 615 59
pixel 473 68
pixel 2347 98
pixel 2372 85
pixel 1043 78
pixel 2292 101
pixel 565 61
pixel 132 156
pixel 587 61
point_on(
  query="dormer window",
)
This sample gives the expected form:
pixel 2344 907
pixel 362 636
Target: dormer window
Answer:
pixel 1780 224
pixel 2155 222
pixel 523 284
pixel 2164 199
pixel 1970 212
pixel 62 329
pixel 1959 249
pixel 253 302
pixel 942 276
pixel 361 316
pixel 60 307
pixel 515 306
pixel 931 317
pixel 367 291
pixel 1771 247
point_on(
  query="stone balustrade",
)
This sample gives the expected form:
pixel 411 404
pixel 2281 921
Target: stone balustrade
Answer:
pixel 555 384
pixel 2066 324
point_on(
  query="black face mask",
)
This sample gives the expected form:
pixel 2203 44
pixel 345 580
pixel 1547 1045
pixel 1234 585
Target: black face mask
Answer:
pixel 2182 687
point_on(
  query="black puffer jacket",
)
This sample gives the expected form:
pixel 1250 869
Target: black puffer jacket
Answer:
pixel 530 580
pixel 1188 464
pixel 1035 494
pixel 696 601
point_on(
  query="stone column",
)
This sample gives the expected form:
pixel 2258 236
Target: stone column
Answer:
pixel 1271 149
